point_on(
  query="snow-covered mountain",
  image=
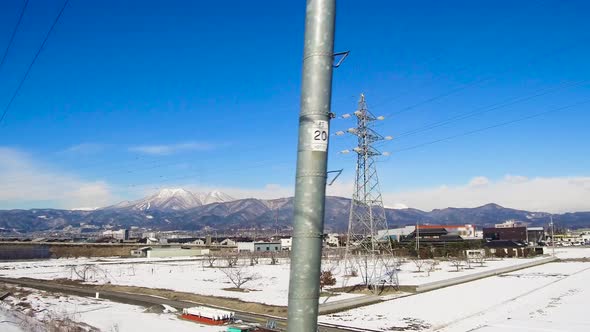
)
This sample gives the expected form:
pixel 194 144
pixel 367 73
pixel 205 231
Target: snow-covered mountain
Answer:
pixel 176 199
pixel 167 210
pixel 214 197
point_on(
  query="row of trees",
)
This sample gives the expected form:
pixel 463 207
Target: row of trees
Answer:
pixel 235 266
pixel 231 259
pixel 458 262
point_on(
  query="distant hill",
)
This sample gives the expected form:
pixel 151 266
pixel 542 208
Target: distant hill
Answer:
pixel 178 209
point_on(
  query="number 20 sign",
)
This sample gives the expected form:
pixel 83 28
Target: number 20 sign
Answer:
pixel 319 137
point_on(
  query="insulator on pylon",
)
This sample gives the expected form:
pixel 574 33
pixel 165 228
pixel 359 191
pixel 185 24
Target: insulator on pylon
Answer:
pixel 388 138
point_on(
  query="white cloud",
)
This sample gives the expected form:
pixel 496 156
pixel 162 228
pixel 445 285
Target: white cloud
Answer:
pixel 85 148
pixel 478 182
pixel 167 149
pixel 24 182
pixel 555 194
pixel 515 178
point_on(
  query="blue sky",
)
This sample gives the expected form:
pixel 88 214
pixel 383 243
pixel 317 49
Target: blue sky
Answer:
pixel 128 97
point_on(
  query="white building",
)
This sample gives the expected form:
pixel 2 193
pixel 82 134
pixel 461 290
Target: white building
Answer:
pixel 148 234
pixel 508 224
pixel 395 233
pixel 122 234
pixel 286 243
pixel 333 240
pixel 151 240
pixel 228 242
pixel 245 246
pixel 199 242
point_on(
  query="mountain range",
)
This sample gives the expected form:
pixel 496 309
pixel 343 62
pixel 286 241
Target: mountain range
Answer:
pixel 179 209
pixel 173 200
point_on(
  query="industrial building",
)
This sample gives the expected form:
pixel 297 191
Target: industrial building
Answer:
pixel 122 234
pixel 267 246
pixel 153 252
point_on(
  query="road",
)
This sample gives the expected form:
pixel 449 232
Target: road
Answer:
pixel 147 300
pixel 342 305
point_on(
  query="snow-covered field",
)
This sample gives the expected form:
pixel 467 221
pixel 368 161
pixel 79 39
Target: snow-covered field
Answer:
pixel 546 297
pixel 550 297
pixel 41 308
pixel 270 283
pixel 9 322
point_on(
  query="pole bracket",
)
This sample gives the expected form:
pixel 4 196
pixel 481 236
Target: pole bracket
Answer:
pixel 342 56
pixel 335 177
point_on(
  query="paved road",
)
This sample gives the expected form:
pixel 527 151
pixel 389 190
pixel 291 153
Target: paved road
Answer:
pixel 342 305
pixel 147 300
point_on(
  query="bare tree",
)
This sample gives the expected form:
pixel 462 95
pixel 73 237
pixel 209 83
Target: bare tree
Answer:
pixel 85 272
pixel 363 266
pixel 480 259
pixel 132 270
pixel 419 263
pixel 457 262
pixel 211 259
pixel 431 266
pixel 253 258
pixel 273 258
pixel 238 275
pixel 231 259
pixel 64 321
pixel 468 261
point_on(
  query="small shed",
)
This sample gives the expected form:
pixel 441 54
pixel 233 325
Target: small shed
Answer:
pixel 208 315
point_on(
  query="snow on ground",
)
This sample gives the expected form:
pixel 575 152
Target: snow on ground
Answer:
pixel 8 322
pixel 552 292
pixel 408 275
pixel 570 252
pixel 269 285
pixel 102 314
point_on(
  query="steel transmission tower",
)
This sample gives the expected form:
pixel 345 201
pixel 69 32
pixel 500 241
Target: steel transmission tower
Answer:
pixel 368 250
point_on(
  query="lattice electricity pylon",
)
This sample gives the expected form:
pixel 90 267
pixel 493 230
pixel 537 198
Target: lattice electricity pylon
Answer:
pixel 368 246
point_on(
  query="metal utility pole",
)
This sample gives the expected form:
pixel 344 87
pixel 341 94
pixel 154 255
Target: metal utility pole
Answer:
pixel 552 237
pixel 312 157
pixel 367 214
pixel 417 232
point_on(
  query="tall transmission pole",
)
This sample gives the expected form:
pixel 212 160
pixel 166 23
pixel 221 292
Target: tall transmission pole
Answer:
pixel 366 249
pixel 312 161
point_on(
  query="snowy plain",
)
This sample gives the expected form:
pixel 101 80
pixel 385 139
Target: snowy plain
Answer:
pixel 546 297
pixel 549 297
pixel 270 284
pixel 102 315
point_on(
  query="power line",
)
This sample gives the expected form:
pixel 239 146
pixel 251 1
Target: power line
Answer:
pixel 492 126
pixel 22 81
pixel 440 96
pixel 470 84
pixel 489 108
pixel 20 17
pixel 456 70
